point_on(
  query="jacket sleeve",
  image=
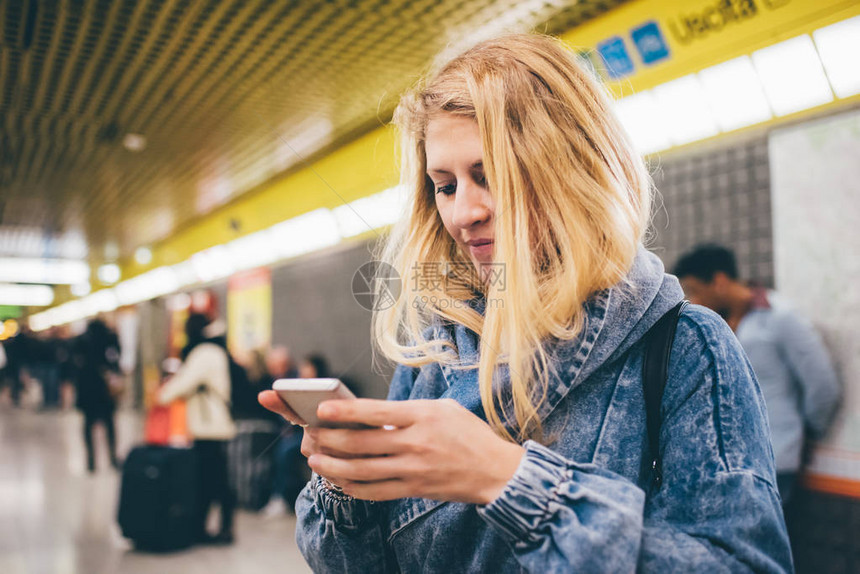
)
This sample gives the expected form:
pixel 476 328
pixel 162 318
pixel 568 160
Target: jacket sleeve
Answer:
pixel 804 351
pixel 190 375
pixel 341 534
pixel 717 509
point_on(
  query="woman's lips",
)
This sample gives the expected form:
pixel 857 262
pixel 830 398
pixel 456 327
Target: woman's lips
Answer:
pixel 481 250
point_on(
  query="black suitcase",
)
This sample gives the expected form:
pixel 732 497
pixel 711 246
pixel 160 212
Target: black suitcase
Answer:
pixel 158 505
pixel 249 457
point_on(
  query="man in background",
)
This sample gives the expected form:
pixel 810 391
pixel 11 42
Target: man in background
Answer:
pixel 788 356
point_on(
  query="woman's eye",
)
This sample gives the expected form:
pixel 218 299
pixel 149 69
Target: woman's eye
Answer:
pixel 446 189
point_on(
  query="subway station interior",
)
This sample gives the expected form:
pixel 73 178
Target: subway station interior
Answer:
pixel 238 162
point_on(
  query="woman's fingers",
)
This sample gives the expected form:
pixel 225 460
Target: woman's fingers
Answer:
pixel 363 469
pixel 371 412
pixel 311 446
pixel 274 403
pixel 360 443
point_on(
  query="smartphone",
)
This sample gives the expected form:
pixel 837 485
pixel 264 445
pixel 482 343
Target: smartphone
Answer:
pixel 305 395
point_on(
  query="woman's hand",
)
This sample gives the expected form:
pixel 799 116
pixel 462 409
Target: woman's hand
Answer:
pixel 428 449
pixel 273 402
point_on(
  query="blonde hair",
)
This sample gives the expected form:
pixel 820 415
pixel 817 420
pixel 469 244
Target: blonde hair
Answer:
pixel 572 203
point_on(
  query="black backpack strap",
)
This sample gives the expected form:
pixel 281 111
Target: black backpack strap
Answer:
pixel 655 366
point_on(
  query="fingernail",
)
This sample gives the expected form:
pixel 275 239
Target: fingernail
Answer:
pixel 312 460
pixel 326 410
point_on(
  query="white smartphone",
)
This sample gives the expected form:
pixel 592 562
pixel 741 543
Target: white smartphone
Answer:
pixel 305 395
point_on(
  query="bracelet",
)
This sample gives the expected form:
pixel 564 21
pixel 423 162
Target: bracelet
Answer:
pixel 334 490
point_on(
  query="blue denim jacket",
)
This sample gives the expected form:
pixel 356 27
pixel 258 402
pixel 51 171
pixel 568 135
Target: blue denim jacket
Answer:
pixel 586 503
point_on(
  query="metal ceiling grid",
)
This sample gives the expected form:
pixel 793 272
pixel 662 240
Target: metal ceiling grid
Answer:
pixel 223 90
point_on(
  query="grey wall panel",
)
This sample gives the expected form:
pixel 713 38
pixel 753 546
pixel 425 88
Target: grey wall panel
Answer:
pixel 315 311
pixel 717 195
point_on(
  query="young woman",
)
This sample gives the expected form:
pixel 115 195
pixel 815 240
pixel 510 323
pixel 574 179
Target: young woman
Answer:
pixel 515 435
pixel 204 380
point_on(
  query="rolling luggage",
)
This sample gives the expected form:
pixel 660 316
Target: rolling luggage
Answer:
pixel 158 507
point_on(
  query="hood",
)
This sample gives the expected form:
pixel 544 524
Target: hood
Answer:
pixel 616 318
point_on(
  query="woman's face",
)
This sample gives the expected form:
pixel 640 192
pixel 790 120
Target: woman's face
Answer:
pixel 455 164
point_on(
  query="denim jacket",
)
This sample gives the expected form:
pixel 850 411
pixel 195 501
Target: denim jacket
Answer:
pixel 586 502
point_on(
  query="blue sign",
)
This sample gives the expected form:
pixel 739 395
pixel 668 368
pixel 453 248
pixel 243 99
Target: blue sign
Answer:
pixel 614 54
pixel 650 42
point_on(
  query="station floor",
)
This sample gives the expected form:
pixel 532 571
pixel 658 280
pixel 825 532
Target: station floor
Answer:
pixel 56 518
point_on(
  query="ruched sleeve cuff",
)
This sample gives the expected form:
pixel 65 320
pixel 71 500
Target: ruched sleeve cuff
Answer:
pixel 346 512
pixel 525 501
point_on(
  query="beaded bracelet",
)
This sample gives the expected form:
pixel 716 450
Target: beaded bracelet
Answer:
pixel 333 490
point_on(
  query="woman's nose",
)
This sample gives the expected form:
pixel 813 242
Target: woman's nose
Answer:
pixel 472 205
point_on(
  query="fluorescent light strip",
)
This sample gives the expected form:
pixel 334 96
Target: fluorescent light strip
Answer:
pixel 735 94
pixel 792 75
pixel 26 295
pixel 685 110
pixel 306 233
pixel 371 212
pixel 839 47
pixel 44 271
pixel 642 118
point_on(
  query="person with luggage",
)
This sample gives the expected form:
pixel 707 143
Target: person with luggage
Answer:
pixel 95 356
pixel 528 427
pixel 204 381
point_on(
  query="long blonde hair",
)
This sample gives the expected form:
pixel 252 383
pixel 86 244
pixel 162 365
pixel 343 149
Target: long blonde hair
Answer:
pixel 572 202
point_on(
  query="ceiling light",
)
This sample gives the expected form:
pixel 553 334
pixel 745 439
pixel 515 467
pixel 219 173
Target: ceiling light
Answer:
pixel 684 110
pixel 313 230
pixel 735 94
pixel 50 271
pixel 10 328
pixel 102 301
pixel 371 212
pixel 838 47
pixel 81 289
pixel 640 116
pixel 134 142
pixel 792 75
pixel 143 255
pixel 109 273
pixel 253 250
pixel 213 263
pixel 160 281
pixel 26 295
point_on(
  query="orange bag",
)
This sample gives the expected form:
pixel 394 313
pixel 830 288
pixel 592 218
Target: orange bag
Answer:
pixel 167 425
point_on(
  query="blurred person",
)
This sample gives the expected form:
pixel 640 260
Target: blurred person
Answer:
pixel 314 366
pixel 247 380
pixel 19 350
pixel 46 364
pixel 279 364
pixel 95 355
pixel 789 358
pixel 539 455
pixel 203 380
pixel 3 363
pixel 288 461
